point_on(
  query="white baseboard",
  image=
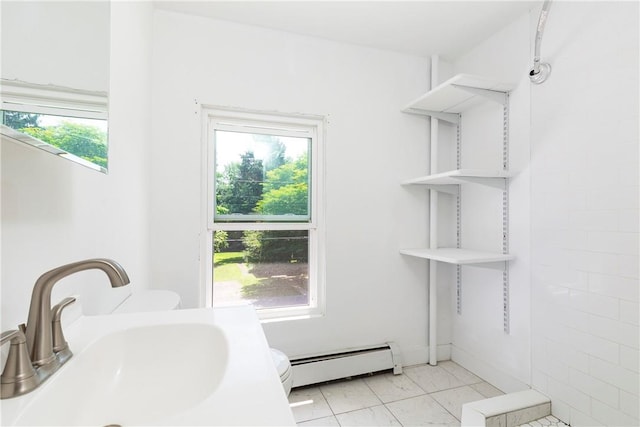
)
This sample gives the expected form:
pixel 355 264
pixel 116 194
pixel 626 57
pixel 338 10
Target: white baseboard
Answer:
pixel 419 355
pixel 494 376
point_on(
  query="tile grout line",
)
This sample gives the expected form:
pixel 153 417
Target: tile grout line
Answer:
pixel 384 404
pixel 329 405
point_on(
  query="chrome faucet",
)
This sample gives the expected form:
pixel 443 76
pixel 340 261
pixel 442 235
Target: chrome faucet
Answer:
pixel 45 344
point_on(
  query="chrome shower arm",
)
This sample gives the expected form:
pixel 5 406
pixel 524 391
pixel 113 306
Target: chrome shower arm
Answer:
pixel 540 71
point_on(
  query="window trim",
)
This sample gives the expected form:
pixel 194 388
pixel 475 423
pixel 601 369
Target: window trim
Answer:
pixel 274 123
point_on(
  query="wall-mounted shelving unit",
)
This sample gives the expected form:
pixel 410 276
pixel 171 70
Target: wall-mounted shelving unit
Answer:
pixel 457 256
pixel 457 95
pixel 447 182
pixel 448 101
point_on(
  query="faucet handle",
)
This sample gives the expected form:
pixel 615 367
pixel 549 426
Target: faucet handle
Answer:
pixel 60 345
pixel 18 376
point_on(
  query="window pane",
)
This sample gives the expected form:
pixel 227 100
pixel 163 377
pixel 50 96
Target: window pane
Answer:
pixel 261 177
pixel 269 269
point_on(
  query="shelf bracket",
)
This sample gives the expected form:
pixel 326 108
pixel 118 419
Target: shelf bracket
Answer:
pixel 487 182
pixel 442 188
pixel 445 188
pixel 447 117
pixel 493 95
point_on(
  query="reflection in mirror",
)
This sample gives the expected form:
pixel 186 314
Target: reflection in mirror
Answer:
pixel 69 123
pixel 55 77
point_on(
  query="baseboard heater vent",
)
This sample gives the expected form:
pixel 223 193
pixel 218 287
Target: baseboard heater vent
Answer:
pixel 349 363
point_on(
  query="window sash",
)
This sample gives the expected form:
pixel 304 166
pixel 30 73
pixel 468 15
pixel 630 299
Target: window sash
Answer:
pixel 315 306
pixel 276 125
pixel 220 118
pixel 255 129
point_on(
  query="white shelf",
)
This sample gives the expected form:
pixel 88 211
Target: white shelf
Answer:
pixel 457 256
pixel 447 102
pixel 457 94
pixel 461 176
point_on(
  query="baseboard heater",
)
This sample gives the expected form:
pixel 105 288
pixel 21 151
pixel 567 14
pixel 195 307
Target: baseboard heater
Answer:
pixel 348 363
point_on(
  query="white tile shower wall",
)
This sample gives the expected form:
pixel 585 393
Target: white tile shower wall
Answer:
pixel 584 184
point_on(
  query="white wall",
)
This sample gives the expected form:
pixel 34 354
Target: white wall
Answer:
pixel 584 183
pixel 478 340
pixel 55 211
pixel 59 43
pixel 373 293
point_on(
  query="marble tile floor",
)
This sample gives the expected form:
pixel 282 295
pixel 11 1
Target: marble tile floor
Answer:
pixel 423 395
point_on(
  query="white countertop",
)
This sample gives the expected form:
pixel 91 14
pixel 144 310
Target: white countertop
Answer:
pixel 250 391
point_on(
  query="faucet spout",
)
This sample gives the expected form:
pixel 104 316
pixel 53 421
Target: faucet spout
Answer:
pixel 39 329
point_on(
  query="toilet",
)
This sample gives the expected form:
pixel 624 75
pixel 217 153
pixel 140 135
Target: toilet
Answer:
pixel 161 300
pixel 283 365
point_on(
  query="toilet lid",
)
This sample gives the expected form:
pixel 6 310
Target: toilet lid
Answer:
pixel 281 361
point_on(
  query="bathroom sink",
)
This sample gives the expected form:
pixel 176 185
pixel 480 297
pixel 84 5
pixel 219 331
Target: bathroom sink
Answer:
pixel 186 367
pixel 137 376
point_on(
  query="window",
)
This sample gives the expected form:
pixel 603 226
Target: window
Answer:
pixel 264 199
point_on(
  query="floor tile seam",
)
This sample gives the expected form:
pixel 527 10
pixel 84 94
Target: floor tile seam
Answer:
pixel 372 391
pixel 448 411
pixel 461 379
pixel 441 405
pixel 409 398
pixel 453 388
pixel 415 383
pixel 328 404
pixel 319 418
pixel 392 414
pixel 368 407
pixel 464 384
pixel 335 414
pixel 424 393
pixel 482 380
pixel 478 382
pixel 403 398
pixel 435 401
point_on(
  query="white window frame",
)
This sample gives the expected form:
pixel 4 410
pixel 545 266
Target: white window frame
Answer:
pixel 299 125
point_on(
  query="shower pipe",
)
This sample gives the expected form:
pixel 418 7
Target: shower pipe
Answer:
pixel 541 70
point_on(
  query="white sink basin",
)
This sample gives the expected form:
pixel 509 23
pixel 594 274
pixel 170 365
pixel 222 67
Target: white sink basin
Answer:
pixel 137 376
pixel 189 367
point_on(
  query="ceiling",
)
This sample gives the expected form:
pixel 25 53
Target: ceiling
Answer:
pixel 449 28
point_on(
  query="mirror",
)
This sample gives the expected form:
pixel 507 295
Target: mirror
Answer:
pixel 55 77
